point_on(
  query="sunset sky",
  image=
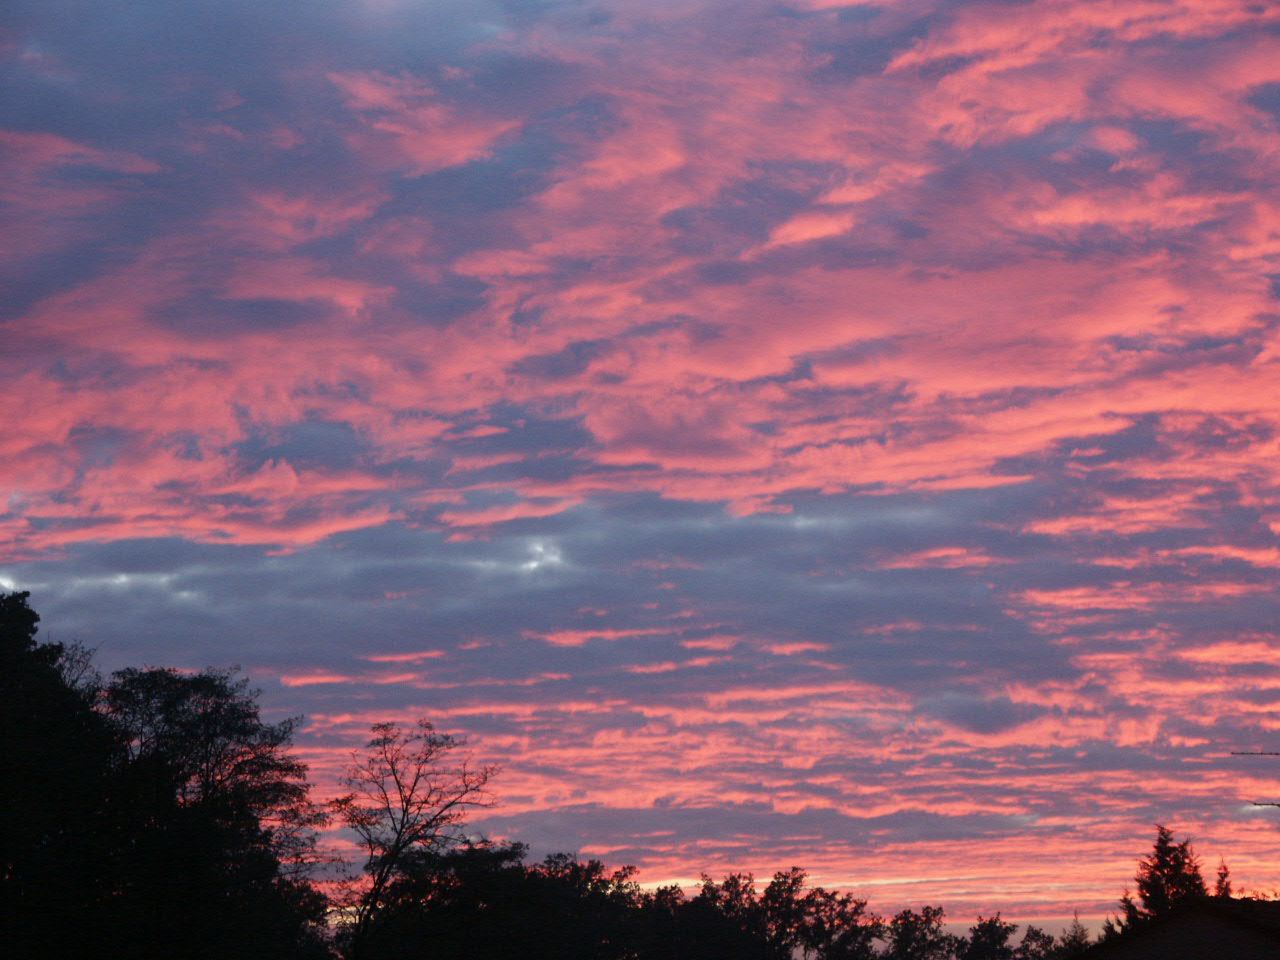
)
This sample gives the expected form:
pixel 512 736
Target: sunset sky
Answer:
pixel 776 431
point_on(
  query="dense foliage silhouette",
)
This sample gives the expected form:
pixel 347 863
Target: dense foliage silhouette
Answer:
pixel 484 902
pixel 151 815
pixel 54 816
pixel 219 819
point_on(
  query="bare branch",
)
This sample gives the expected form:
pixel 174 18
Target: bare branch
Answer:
pixel 405 795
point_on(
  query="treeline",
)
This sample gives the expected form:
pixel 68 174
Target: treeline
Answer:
pixel 488 901
pixel 155 814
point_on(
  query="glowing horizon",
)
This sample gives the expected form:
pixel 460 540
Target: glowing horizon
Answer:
pixel 782 432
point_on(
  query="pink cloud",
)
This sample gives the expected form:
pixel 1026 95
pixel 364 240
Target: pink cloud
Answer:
pixel 405 119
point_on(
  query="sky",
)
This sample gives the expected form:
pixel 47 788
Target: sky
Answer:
pixel 777 432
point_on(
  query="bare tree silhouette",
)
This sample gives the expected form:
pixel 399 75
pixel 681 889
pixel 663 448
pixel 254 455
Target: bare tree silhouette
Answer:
pixel 408 793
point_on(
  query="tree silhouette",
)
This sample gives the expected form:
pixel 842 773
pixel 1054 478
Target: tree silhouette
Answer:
pixel 199 738
pixel 154 816
pixel 989 940
pixel 1038 945
pixel 1167 878
pixel 213 824
pixel 1169 875
pixel 920 936
pixel 408 794
pixel 838 927
pixel 1075 940
pixel 58 760
pixel 483 902
pixel 725 919
pixel 787 920
pixel 1222 884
